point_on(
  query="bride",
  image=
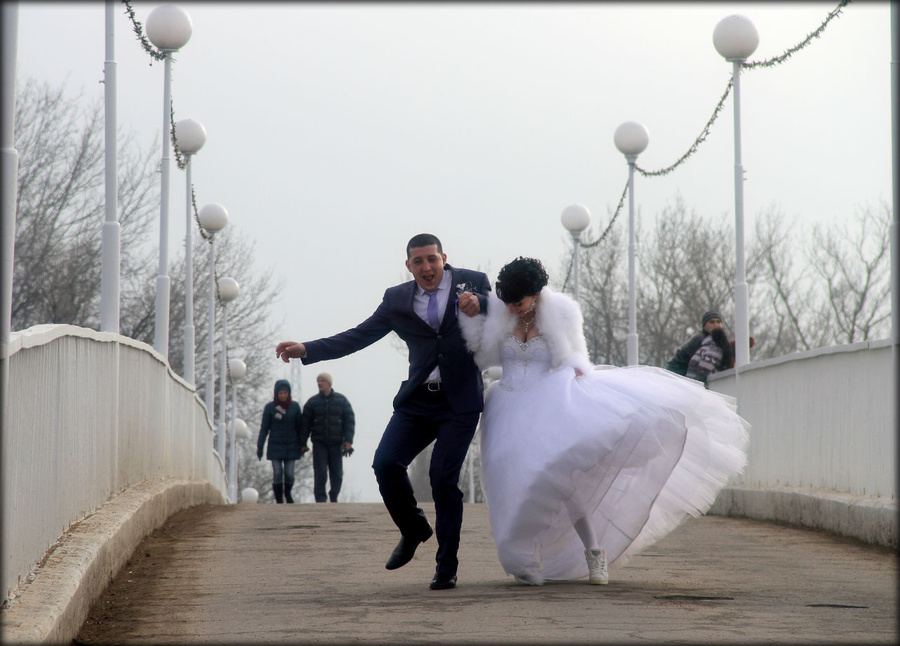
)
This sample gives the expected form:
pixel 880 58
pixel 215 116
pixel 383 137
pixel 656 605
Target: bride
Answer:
pixel 582 465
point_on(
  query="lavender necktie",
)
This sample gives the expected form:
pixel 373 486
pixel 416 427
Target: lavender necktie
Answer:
pixel 433 320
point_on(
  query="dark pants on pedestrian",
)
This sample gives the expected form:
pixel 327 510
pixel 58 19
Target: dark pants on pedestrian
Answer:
pixel 327 464
pixel 424 418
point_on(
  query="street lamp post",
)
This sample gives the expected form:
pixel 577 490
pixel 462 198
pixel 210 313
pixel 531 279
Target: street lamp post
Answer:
pixel 190 135
pixel 9 171
pixel 228 291
pixel 213 218
pixel 169 29
pixel 111 243
pixel 736 38
pixel 237 369
pixel 631 138
pixel 575 218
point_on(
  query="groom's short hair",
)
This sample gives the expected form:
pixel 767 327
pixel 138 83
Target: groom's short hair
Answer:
pixel 423 240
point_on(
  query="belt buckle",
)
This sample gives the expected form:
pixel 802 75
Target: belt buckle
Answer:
pixel 433 386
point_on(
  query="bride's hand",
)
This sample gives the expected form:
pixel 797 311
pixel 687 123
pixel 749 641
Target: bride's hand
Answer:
pixel 578 373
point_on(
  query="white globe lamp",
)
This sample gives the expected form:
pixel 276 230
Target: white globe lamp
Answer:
pixel 169 27
pixel 190 136
pixel 213 217
pixel 229 288
pixel 631 138
pixel 735 37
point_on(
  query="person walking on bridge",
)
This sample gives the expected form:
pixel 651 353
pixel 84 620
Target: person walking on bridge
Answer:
pixel 281 424
pixel 329 419
pixel 440 402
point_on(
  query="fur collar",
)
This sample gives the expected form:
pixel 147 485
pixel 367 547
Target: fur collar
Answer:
pixel 558 318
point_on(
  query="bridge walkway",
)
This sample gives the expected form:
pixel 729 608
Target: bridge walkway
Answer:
pixel 315 573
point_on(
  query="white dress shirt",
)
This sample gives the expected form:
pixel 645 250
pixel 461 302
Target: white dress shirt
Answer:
pixel 420 307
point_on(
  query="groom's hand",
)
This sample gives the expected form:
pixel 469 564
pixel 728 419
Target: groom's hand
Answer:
pixel 287 350
pixel 468 304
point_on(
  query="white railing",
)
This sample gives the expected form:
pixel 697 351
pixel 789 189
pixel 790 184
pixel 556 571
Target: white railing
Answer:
pixel 90 414
pixel 822 420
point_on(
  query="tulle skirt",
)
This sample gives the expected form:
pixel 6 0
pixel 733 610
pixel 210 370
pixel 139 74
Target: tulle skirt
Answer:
pixel 634 451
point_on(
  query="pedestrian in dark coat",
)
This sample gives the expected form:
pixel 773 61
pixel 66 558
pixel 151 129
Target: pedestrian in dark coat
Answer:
pixel 329 420
pixel 282 424
pixel 706 352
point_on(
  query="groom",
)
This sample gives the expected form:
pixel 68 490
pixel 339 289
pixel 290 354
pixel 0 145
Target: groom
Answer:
pixel 440 402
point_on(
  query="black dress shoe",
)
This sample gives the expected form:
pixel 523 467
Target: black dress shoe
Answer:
pixel 443 583
pixel 405 550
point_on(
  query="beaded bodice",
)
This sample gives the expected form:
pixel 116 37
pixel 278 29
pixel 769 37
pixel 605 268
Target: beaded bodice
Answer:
pixel 523 362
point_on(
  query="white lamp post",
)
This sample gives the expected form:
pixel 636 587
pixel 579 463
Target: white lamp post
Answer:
pixel 190 135
pixel 213 218
pixel 575 218
pixel 169 29
pixel 110 257
pixel 237 369
pixel 9 171
pixel 631 138
pixel 736 38
pixel 228 291
pixel 895 195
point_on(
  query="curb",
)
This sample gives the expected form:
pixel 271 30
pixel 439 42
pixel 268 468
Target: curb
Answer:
pixel 867 518
pixel 79 567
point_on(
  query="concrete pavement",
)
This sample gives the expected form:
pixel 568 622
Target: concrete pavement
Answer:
pixel 315 573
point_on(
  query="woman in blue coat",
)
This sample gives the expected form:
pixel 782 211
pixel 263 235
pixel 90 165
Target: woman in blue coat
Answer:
pixel 281 424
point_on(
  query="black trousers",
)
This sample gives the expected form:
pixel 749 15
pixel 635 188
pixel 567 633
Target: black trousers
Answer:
pixel 327 464
pixel 424 418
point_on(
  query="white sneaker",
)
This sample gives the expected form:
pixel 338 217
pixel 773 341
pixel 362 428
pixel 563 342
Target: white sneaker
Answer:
pixel 598 572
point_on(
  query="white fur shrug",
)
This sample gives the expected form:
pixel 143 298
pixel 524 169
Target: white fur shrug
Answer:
pixel 557 317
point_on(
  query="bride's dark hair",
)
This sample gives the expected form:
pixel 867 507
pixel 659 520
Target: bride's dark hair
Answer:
pixel 520 278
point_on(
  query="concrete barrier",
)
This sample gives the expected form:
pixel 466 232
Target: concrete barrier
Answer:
pixel 823 447
pixel 52 607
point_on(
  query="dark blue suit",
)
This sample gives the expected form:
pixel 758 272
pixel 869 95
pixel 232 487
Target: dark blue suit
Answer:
pixel 447 417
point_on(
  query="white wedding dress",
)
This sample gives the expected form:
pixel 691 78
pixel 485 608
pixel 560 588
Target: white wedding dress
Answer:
pixel 633 450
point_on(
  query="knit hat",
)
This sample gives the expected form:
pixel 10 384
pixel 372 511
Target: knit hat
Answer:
pixel 326 377
pixel 707 316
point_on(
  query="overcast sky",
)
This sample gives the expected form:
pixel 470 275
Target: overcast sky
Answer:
pixel 338 131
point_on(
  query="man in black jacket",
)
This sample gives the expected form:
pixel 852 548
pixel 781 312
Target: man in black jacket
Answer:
pixel 711 326
pixel 329 419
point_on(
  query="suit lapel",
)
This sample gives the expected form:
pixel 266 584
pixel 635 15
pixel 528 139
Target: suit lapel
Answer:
pixel 451 298
pixel 409 301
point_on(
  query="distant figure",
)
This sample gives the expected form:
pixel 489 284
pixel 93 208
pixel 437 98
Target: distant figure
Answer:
pixel 582 465
pixel 328 418
pixel 281 423
pixel 439 402
pixel 708 351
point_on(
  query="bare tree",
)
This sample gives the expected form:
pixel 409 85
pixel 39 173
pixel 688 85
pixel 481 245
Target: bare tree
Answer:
pixel 60 210
pixel 853 261
pixel 60 207
pixel 836 292
pixel 249 334
pixel 683 269
pixel 604 298
pixel 790 307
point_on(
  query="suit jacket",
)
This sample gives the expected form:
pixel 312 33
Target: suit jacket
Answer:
pixel 445 348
